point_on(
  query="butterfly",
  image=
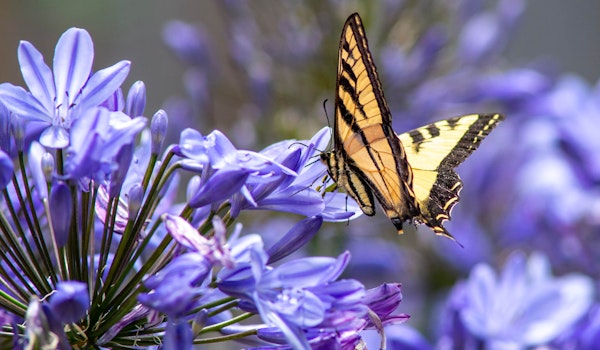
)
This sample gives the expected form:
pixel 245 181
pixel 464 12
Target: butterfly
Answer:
pixel 412 174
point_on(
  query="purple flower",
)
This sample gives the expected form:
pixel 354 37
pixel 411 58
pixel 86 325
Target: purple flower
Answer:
pixel 175 288
pixel 5 133
pixel 297 295
pixel 70 301
pixel 298 193
pixel 158 130
pixel 136 100
pixel 97 138
pixel 384 300
pixel 225 170
pixel 523 306
pixel 57 98
pixel 295 238
pixel 213 249
pixel 188 42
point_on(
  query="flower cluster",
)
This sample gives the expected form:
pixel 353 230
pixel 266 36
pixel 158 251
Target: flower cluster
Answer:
pixel 97 252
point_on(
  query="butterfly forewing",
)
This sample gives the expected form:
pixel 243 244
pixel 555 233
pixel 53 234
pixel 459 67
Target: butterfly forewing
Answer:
pixel 363 132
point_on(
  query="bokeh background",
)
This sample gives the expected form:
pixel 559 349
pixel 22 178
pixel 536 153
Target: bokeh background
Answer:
pixel 260 71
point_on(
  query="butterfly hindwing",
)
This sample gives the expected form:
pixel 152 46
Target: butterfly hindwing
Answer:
pixel 433 151
pixel 411 175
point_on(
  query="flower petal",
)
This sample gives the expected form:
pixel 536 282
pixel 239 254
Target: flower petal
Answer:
pixel 72 64
pixel 103 84
pixel 295 238
pixel 22 103
pixel 70 302
pixel 37 75
pixel 221 185
pixel 61 210
pixel 55 137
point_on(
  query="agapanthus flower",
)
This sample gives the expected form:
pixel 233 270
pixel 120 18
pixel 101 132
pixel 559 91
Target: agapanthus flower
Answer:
pixel 225 170
pixel 523 306
pixel 277 178
pixel 298 194
pixel 56 98
pixel 295 296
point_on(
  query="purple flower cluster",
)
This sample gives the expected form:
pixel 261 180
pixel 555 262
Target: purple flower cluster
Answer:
pixel 97 252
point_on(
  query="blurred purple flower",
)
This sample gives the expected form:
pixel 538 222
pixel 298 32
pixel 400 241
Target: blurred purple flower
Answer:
pixel 188 42
pixel 486 33
pixel 175 289
pixel 524 306
pixel 57 98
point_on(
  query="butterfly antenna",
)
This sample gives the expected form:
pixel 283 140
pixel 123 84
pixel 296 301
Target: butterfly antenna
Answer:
pixel 326 114
pixel 327 117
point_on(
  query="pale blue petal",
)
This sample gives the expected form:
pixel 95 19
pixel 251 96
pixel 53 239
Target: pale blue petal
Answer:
pixel 555 309
pixel 340 207
pixel 73 57
pixel 22 103
pixel 294 335
pixel 55 137
pixel 305 272
pixel 192 145
pixel 103 84
pixel 37 75
pixel 295 238
pixel 294 199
